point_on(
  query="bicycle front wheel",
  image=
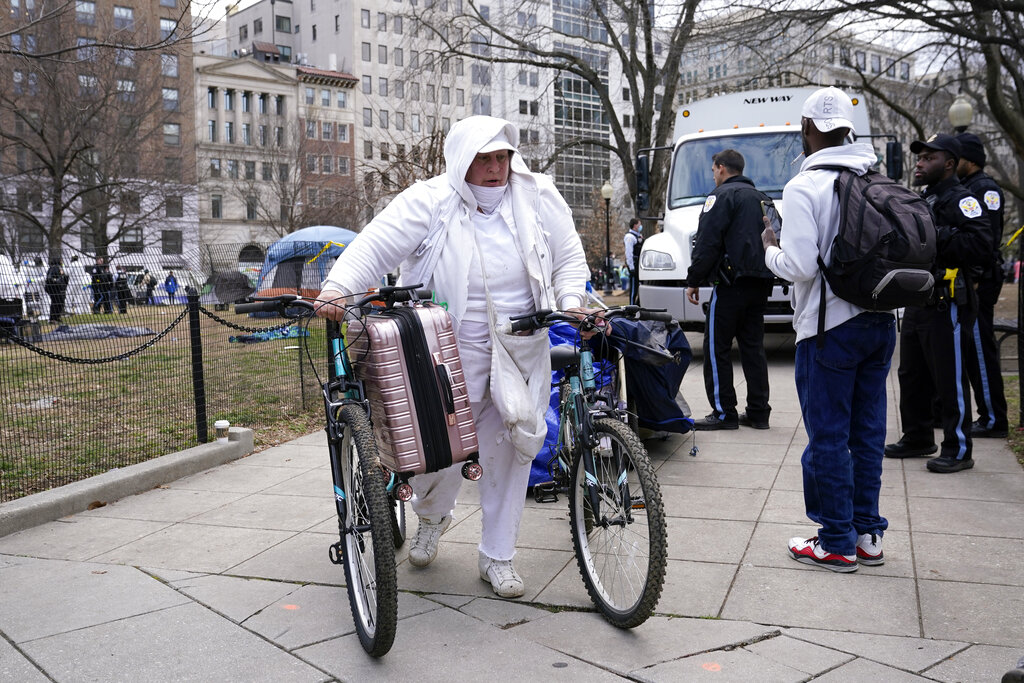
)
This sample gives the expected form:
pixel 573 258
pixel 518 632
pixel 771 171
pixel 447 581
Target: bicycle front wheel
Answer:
pixel 369 551
pixel 621 548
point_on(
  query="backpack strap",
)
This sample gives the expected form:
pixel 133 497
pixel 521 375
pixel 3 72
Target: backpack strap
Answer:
pixel 820 342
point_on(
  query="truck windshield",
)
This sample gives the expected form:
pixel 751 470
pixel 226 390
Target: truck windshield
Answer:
pixel 769 163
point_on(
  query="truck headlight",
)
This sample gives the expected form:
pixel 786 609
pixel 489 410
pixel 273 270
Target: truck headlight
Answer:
pixel 656 260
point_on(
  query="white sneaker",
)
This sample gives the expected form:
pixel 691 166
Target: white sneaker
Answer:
pixel 869 550
pixel 502 576
pixel 424 546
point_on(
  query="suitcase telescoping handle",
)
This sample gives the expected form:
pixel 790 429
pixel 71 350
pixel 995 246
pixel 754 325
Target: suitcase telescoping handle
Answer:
pixel 444 380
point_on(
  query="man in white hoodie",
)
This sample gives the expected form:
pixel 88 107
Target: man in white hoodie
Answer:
pixel 841 378
pixel 492 240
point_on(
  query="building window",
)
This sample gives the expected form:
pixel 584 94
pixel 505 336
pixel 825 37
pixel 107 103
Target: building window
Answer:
pixel 262 106
pixel 460 97
pixel 126 90
pixel 282 24
pixel 397 56
pixel 310 130
pixel 85 12
pixel 170 97
pixel 382 54
pixel 310 95
pixel 385 151
pixel 314 33
pixel 342 99
pixel 215 168
pixel 167 27
pixel 399 88
pixel 168 3
pixel 367 117
pixel 364 18
pixel 174 207
pixel 311 163
pixel 399 120
pixel 282 172
pixel 326 130
pixel 243 33
pixel 247 101
pixel 229 100
pixel 481 105
pixel 343 165
pixel 233 169
pixel 169 65
pixel 211 131
pixel 87 50
pixel 250 170
pixel 172 168
pixel 172 134
pixel 246 133
pixel 382 21
pixel 337 23
pixel 326 164
pixel 124 57
pixel 257 27
pixel 124 18
pixel 325 97
pixel 365 51
pixel 250 208
pixel 445 95
pixel 382 87
pixel 229 132
pixel 131 241
pixel 211 98
pixel 268 171
pixel 279 105
pixel 396 25
pixel 342 132
pixel 170 242
pixel 278 136
pixel 367 85
pixel 216 206
pixel 382 116
pixel 368 149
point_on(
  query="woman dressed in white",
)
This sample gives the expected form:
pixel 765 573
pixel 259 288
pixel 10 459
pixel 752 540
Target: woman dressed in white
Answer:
pixel 492 240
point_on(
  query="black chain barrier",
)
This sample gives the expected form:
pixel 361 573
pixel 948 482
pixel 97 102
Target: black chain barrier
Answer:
pixel 242 328
pixel 93 361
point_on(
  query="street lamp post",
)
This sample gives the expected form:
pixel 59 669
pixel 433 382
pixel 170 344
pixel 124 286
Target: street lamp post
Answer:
pixel 606 193
pixel 960 113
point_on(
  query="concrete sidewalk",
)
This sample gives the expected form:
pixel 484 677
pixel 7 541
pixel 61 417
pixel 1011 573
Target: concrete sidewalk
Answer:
pixel 224 575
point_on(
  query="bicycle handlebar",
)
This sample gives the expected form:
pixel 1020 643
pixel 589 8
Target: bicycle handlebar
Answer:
pixel 545 317
pixel 388 296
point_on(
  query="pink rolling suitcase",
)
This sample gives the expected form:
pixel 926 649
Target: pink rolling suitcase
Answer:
pixel 410 367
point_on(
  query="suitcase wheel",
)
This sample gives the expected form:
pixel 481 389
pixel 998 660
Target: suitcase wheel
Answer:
pixel 472 471
pixel 403 492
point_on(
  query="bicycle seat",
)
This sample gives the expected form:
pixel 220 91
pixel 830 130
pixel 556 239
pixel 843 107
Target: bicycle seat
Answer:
pixel 564 355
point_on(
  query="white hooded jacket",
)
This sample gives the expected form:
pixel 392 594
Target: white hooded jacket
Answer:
pixel 809 227
pixel 427 229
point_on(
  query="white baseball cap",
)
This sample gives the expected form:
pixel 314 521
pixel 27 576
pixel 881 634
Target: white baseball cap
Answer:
pixel 829 108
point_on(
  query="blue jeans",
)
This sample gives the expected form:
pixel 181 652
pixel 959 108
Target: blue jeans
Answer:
pixel 842 399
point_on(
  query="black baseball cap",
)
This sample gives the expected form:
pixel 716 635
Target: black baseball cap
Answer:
pixel 971 148
pixel 939 141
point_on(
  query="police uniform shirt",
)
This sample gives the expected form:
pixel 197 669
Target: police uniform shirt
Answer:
pixel 982 186
pixel 964 235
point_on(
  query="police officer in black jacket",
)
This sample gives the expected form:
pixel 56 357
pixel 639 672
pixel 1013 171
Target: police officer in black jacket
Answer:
pixel 933 339
pixel 983 361
pixel 728 254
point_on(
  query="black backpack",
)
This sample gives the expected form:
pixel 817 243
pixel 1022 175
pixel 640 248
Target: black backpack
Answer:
pixel 884 254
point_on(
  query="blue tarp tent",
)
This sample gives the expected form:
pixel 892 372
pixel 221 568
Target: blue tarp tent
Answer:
pixel 286 263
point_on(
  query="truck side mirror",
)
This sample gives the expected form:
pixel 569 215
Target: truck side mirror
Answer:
pixel 643 175
pixel 894 160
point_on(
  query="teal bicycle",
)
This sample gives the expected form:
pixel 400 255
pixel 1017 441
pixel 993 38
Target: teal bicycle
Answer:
pixel 616 515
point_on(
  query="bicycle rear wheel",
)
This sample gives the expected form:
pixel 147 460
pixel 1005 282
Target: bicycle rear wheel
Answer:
pixel 622 550
pixel 369 551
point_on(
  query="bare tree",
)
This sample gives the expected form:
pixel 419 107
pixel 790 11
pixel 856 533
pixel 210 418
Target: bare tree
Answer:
pixel 82 138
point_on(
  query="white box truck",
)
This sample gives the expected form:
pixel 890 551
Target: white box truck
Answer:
pixel 764 126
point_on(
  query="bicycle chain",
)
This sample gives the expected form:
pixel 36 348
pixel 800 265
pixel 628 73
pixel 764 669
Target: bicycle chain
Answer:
pixel 95 361
pixel 242 328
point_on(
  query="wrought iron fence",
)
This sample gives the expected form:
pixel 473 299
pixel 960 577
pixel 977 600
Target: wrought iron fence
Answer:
pixel 99 372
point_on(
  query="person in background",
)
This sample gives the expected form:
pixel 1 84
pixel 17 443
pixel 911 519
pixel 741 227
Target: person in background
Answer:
pixel 122 293
pixel 840 378
pixel 624 278
pixel 171 285
pixel 492 240
pixel 983 367
pixel 56 287
pixel 102 282
pixel 633 242
pixel 728 253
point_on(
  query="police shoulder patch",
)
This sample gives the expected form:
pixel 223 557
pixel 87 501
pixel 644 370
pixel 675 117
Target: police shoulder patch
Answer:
pixel 970 207
pixel 709 202
pixel 992 200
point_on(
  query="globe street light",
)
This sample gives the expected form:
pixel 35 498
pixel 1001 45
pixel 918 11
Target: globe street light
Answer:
pixel 606 192
pixel 960 113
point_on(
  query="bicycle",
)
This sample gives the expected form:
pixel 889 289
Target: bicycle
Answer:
pixel 370 499
pixel 616 515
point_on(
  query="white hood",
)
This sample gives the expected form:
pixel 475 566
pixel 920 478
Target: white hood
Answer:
pixel 858 157
pixel 465 139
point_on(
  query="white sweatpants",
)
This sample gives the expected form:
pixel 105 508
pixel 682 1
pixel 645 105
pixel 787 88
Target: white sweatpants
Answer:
pixel 502 487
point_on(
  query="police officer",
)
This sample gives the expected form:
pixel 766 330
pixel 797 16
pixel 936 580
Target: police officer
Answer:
pixel 933 338
pixel 983 362
pixel 633 241
pixel 728 253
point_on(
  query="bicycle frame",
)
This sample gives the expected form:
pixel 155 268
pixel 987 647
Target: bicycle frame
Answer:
pixel 578 407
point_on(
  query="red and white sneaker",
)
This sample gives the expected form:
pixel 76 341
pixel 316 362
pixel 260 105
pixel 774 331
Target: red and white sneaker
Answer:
pixel 809 551
pixel 869 550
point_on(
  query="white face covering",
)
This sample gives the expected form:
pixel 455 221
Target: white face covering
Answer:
pixel 487 198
